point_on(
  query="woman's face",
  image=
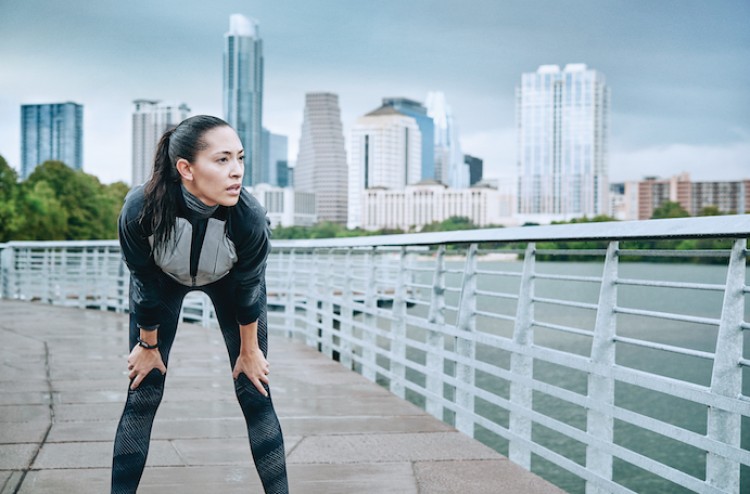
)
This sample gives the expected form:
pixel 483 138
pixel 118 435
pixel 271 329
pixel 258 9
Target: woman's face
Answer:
pixel 215 175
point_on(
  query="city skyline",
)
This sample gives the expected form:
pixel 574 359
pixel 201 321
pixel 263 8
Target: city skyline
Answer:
pixel 678 70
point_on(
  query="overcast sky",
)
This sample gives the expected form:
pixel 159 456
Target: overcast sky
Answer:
pixel 678 70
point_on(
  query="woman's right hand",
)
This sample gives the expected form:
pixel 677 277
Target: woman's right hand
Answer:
pixel 141 361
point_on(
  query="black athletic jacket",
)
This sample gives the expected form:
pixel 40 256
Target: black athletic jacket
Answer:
pixel 234 241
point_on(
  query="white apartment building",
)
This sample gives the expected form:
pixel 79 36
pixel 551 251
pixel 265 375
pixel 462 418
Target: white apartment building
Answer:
pixel 386 152
pixel 430 201
pixel 562 143
pixel 286 206
pixel 151 118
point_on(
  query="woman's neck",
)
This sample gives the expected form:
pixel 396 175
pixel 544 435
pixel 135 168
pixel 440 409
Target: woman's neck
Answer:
pixel 195 205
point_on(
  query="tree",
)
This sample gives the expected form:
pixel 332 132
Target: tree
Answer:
pixel 9 217
pixel 669 209
pixel 89 208
pixel 710 211
pixel 42 215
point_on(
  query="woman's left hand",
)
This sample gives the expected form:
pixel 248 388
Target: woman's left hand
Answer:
pixel 255 366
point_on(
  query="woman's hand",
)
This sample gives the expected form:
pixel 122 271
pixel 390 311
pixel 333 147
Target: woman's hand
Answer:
pixel 255 366
pixel 141 361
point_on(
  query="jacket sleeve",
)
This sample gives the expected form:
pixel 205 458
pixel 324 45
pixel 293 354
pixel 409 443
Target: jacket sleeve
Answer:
pixel 249 272
pixel 136 252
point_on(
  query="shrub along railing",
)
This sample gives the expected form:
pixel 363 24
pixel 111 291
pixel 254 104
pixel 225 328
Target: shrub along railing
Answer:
pixel 603 376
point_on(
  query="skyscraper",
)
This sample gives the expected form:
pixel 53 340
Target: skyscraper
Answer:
pixel 475 168
pixel 151 119
pixel 243 90
pixel 51 132
pixel 562 142
pixel 321 163
pixel 450 168
pixel 426 127
pixel 386 152
pixel 274 154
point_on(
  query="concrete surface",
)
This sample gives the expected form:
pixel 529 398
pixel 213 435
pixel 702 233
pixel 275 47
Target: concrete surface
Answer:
pixel 63 385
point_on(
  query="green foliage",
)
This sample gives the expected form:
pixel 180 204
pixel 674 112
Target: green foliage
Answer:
pixel 669 209
pixel 57 203
pixel 8 203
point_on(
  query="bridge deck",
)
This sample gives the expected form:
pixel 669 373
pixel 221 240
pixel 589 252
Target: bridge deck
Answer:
pixel 63 385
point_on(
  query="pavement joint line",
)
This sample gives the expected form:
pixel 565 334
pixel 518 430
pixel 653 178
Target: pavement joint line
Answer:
pixel 289 453
pixel 49 426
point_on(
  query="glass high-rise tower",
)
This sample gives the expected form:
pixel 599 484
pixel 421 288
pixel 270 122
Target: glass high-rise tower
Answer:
pixel 562 142
pixel 51 132
pixel 243 90
pixel 450 168
pixel 426 127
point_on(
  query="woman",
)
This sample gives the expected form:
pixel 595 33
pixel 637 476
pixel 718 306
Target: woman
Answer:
pixel 193 227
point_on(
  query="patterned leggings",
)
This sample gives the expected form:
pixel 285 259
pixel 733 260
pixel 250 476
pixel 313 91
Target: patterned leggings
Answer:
pixel 134 430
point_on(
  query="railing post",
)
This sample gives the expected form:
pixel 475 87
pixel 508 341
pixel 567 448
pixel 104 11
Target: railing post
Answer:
pixel 311 332
pixel 290 307
pixel 398 328
pixel 466 347
pixel 601 385
pixel 369 339
pixel 726 379
pixel 326 307
pixel 523 365
pixel 435 338
pixel 346 313
pixel 6 270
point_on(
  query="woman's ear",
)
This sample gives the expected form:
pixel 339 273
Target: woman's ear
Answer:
pixel 183 168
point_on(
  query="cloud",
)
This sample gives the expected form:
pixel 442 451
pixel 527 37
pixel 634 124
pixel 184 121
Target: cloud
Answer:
pixel 703 162
pixel 497 147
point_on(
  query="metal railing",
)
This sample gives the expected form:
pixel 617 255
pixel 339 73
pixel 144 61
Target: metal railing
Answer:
pixel 609 375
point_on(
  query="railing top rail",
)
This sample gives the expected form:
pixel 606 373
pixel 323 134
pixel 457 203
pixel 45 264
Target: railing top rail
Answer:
pixel 47 244
pixel 730 226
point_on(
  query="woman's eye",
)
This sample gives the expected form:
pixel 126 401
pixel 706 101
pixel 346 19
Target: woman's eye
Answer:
pixel 241 158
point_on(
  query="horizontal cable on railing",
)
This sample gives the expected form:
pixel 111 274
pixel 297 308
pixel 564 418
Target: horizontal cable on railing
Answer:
pixel 566 303
pixel 490 272
pixel 495 315
pixel 563 328
pixel 509 296
pixel 673 253
pixel 560 277
pixel 667 315
pixel 666 348
pixel 417 301
pixel 744 362
pixel 572 252
pixel 670 284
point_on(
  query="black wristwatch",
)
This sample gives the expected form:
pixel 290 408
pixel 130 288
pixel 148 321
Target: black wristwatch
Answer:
pixel 145 345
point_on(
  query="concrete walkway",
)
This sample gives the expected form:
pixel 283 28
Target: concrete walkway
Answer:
pixel 63 385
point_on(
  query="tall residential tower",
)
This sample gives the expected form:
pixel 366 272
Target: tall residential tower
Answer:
pixel 562 143
pixel 51 132
pixel 151 119
pixel 321 163
pixel 243 90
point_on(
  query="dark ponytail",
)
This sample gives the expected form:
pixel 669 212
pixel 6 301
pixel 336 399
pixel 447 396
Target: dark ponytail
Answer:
pixel 162 190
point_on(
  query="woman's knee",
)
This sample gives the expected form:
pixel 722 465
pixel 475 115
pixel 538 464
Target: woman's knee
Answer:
pixel 149 393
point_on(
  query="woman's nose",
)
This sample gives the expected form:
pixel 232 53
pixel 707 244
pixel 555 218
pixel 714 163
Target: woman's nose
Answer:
pixel 238 169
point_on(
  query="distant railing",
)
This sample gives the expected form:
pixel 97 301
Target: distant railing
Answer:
pixel 603 376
